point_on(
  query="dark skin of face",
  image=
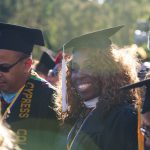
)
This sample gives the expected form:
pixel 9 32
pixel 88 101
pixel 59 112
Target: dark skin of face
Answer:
pixel 16 77
pixel 83 79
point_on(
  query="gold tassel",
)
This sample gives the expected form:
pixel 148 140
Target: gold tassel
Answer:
pixel 140 135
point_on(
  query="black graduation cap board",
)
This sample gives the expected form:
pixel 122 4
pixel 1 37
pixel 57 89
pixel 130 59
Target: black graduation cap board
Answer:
pixel 19 38
pixel 97 39
pixel 136 85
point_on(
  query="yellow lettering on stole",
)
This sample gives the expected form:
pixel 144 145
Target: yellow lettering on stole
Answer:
pixel 22 136
pixel 26 100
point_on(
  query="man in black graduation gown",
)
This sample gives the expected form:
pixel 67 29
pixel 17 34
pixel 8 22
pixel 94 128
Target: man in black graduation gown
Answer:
pixel 105 117
pixel 26 99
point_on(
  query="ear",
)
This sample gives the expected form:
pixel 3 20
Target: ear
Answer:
pixel 28 64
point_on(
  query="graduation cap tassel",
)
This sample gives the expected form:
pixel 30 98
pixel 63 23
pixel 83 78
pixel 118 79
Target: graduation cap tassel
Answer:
pixel 64 87
pixel 140 135
pixel 148 41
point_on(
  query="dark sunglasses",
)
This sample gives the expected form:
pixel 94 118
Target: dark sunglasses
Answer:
pixel 6 68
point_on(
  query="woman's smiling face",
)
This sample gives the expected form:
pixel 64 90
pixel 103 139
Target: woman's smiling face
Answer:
pixel 83 80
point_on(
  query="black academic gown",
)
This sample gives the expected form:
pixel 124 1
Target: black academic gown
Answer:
pixel 33 119
pixel 118 131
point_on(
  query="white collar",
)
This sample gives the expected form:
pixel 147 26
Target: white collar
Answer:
pixel 91 103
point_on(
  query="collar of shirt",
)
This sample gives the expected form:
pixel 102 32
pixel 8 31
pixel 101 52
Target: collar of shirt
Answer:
pixel 8 97
pixel 91 103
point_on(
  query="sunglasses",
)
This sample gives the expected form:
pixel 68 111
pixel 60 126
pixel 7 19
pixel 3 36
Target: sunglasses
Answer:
pixel 6 67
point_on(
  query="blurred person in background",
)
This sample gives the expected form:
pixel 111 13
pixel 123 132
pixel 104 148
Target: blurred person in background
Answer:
pixel 53 74
pixel 145 109
pixel 145 125
pixel 45 64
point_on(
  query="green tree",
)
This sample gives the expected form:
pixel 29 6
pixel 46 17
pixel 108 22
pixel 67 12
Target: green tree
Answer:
pixel 61 20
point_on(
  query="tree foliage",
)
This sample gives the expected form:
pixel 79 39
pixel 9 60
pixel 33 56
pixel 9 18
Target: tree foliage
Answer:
pixel 61 20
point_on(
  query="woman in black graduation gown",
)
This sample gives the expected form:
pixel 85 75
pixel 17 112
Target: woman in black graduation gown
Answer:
pixel 104 116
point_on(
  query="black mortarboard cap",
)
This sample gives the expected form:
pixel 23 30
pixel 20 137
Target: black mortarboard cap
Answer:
pixel 19 38
pixel 97 39
pixel 45 64
pixel 146 82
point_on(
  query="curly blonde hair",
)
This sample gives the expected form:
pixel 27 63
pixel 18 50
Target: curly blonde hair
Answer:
pixel 114 69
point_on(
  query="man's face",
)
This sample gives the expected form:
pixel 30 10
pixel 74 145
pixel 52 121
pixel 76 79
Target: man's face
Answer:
pixel 146 126
pixel 83 80
pixel 11 81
